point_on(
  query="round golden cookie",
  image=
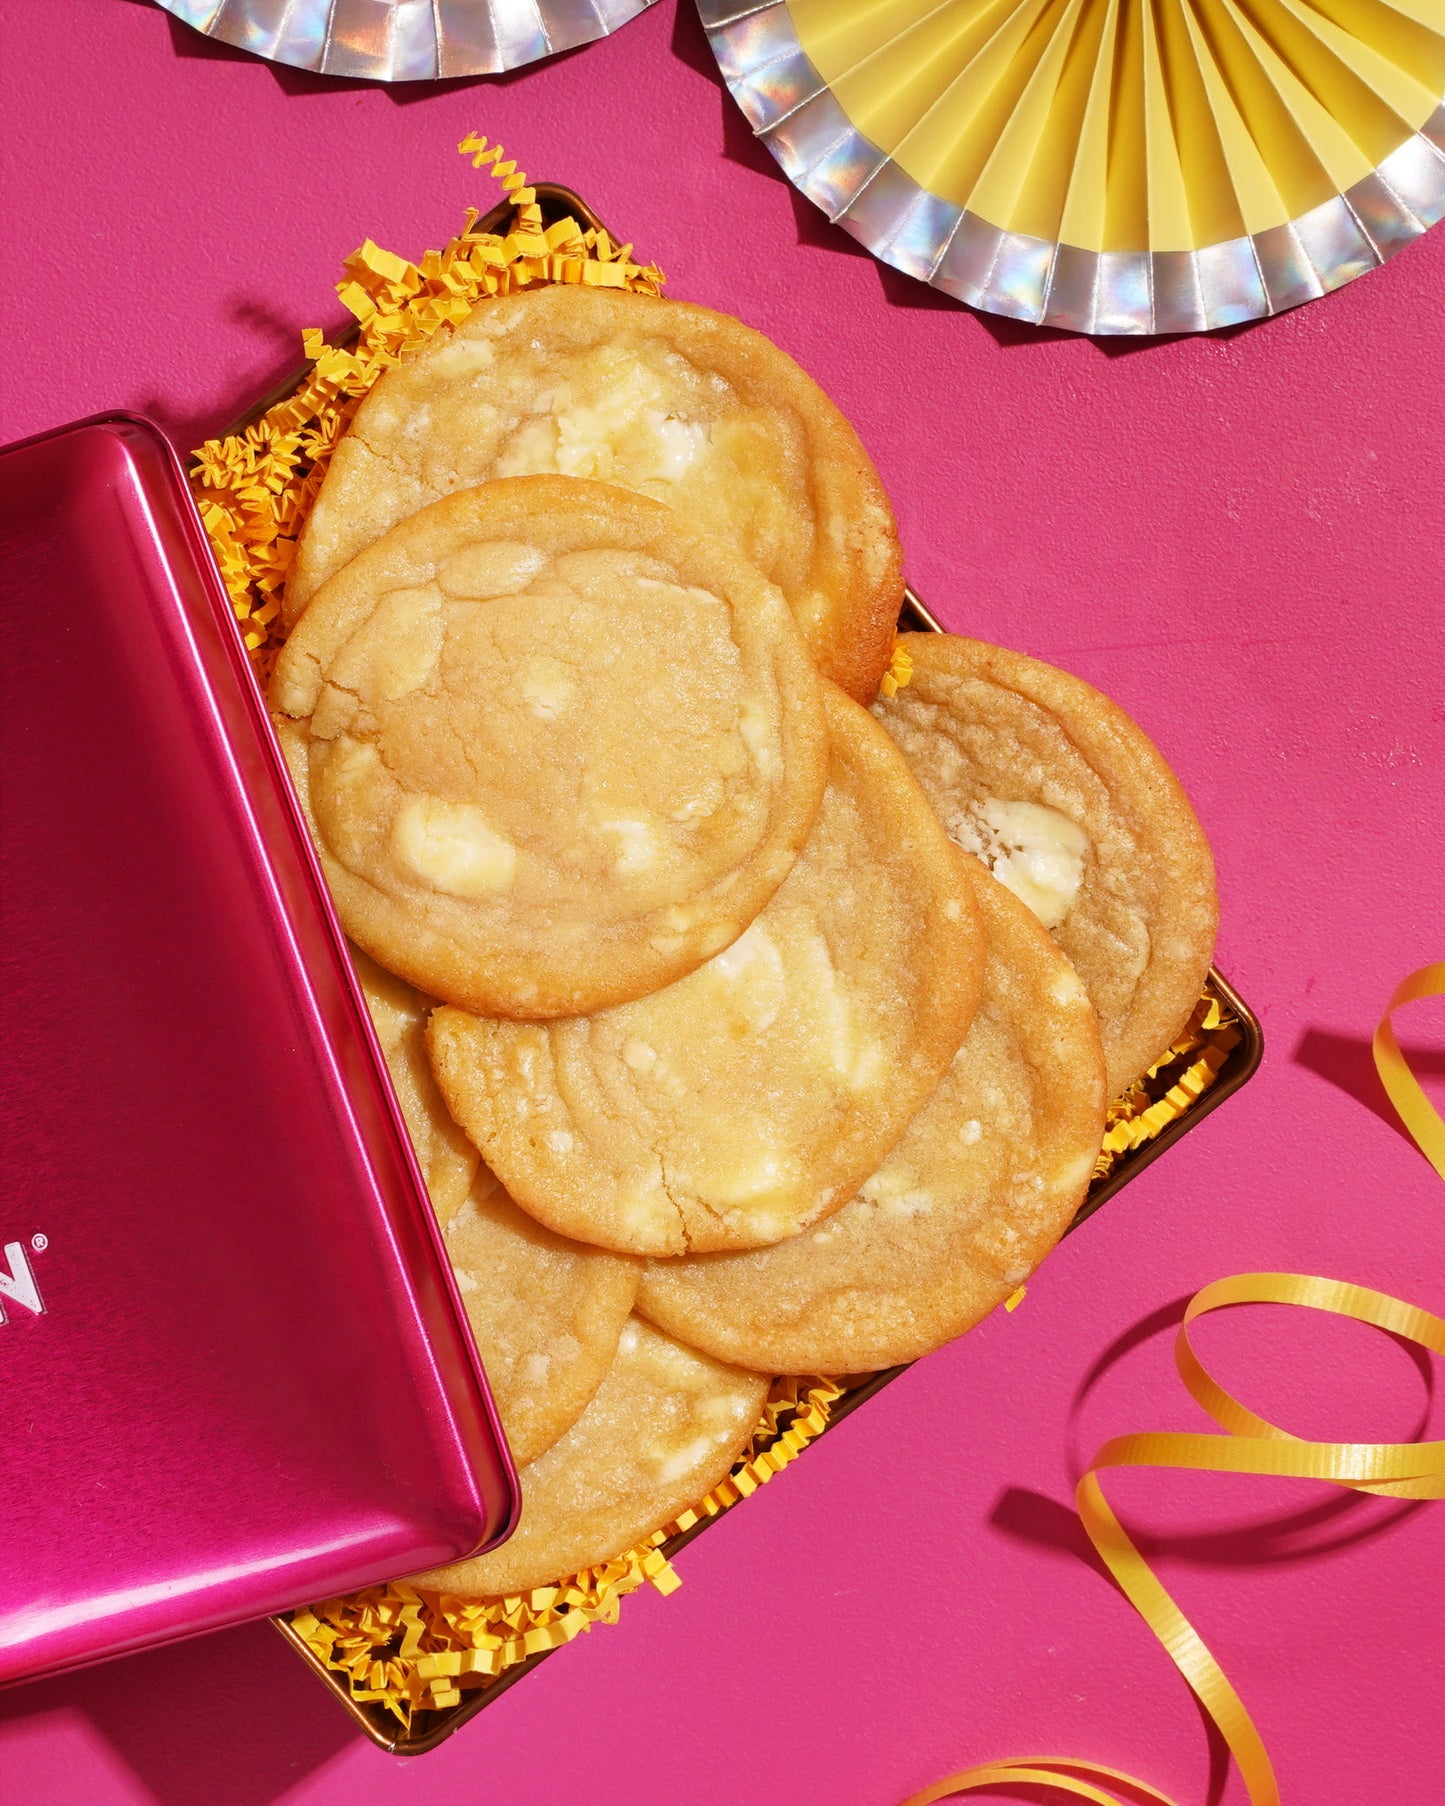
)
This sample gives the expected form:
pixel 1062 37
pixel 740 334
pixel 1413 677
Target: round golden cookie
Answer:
pixel 448 1161
pixel 546 1313
pixel 983 1184
pixel 688 406
pixel 753 1097
pixel 665 1427
pixel 1070 803
pixel 554 750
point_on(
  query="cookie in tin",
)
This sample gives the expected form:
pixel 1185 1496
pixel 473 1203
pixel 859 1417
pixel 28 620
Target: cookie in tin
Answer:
pixel 675 401
pixel 554 749
pixel 1074 808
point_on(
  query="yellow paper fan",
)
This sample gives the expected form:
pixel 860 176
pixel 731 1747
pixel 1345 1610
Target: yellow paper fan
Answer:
pixel 1105 165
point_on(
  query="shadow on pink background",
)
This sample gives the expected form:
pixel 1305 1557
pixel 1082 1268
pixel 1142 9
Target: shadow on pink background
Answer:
pixel 1240 539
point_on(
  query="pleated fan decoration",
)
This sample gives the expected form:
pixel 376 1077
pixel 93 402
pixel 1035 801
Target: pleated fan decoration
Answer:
pixel 405 40
pixel 1107 166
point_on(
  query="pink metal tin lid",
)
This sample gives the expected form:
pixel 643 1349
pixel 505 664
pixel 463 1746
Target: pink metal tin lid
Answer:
pixel 235 1373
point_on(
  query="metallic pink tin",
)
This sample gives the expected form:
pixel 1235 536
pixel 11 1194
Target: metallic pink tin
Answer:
pixel 234 1370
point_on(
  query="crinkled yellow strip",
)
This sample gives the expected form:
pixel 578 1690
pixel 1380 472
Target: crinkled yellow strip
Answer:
pixel 410 1650
pixel 254 488
pixel 1172 1085
pixel 899 673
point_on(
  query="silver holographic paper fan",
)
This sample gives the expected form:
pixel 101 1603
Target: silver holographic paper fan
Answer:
pixel 406 40
pixel 1105 166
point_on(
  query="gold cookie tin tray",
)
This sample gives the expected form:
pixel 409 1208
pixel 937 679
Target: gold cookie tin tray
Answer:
pixel 1167 1105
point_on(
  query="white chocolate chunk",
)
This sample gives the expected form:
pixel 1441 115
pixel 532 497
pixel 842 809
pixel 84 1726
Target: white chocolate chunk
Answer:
pixel 495 567
pixel 1035 851
pixel 355 771
pixel 548 687
pixel 894 1191
pixel 749 981
pixel 754 948
pixel 679 445
pixel 1076 1173
pixel 334 713
pixel 740 1181
pixel 837 1017
pixel 619 432
pixel 464 357
pixel 624 433
pixel 451 847
pixel 752 725
pixel 532 452
pixel 1068 990
pixel 671 1464
pixel 395 650
pixel 638 843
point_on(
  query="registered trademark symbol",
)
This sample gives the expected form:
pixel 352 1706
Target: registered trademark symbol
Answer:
pixel 40 1243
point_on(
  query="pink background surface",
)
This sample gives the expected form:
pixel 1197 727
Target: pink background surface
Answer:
pixel 1239 538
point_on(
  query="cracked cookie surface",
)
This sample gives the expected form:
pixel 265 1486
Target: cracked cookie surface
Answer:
pixel 750 1099
pixel 554 750
pixel 1074 808
pixel 675 401
pixel 399 1011
pixel 546 1312
pixel 665 1426
pixel 984 1182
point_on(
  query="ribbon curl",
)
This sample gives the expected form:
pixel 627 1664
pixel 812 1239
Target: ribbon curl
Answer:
pixel 1402 1087
pixel 1250 1445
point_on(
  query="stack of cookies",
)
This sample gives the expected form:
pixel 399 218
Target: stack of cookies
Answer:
pixel 741 1031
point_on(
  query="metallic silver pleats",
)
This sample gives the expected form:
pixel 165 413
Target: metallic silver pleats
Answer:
pixel 791 109
pixel 406 40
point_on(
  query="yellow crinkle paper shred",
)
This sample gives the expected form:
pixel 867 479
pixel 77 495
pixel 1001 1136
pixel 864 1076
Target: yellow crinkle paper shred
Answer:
pixel 1172 1085
pixel 411 1650
pixel 899 673
pixel 254 488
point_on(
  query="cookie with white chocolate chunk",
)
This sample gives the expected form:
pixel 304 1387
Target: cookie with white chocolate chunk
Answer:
pixel 665 1426
pixel 674 401
pixel 554 750
pixel 983 1184
pixel 752 1098
pixel 1074 808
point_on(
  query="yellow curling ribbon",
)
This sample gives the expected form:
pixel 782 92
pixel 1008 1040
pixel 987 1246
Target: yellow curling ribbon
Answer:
pixel 1250 1445
pixel 1403 1088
